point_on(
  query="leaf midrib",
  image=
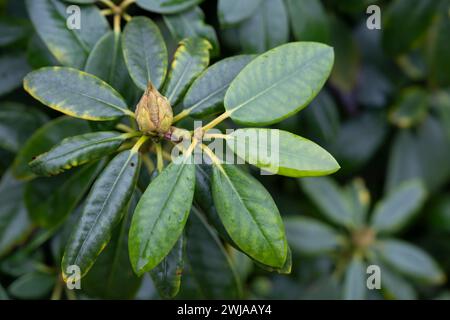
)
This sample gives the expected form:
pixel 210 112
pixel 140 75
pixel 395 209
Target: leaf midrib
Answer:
pixel 278 82
pixel 250 214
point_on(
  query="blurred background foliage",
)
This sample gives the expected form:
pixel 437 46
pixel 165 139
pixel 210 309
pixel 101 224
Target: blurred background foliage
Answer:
pixel 384 115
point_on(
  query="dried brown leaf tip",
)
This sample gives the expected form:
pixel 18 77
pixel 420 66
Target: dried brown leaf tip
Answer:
pixel 153 112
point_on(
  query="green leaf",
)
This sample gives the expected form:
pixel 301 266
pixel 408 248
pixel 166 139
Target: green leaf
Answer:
pixel 281 152
pixel 401 37
pixel 232 12
pixel 191 23
pixel 211 270
pixel 14 222
pixel 145 52
pixel 103 210
pixel 112 277
pixel 43 139
pixel 410 109
pixel 50 200
pixel 206 94
pixel 286 268
pixel 439 51
pixel 17 124
pixel 112 70
pixel 309 236
pixel 398 208
pixel 76 151
pixel 262 31
pixel 249 215
pixel 167 6
pixel 161 214
pixel 12 30
pixel 309 20
pixel 71 47
pixel 13 67
pixel 34 285
pixel 328 197
pixel 166 275
pixel 355 280
pixel 289 76
pixel 190 59
pixel 76 93
pixel 410 261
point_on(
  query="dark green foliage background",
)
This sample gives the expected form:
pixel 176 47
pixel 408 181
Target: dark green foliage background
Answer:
pixel 384 114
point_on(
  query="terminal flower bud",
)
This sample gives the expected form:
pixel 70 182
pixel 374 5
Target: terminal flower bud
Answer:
pixel 153 112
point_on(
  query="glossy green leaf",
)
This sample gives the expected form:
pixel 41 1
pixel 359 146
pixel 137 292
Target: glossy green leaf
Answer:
pixel 400 37
pixel 70 46
pixel 13 67
pixel 355 280
pixel 398 208
pixel 410 260
pixel 145 52
pixel 34 285
pixel 76 93
pixel 17 124
pixel 161 214
pixel 190 59
pixel 286 268
pixel 410 109
pixel 211 269
pixel 262 31
pixel 50 200
pixel 76 151
pixel 43 139
pixel 309 236
pixel 281 152
pixel 112 277
pixel 249 215
pixel 206 94
pixel 289 77
pixel 191 23
pixel 112 70
pixel 328 197
pixel 232 12
pixel 166 275
pixel 167 6
pixel 12 30
pixel 14 221
pixel 103 210
pixel 309 20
